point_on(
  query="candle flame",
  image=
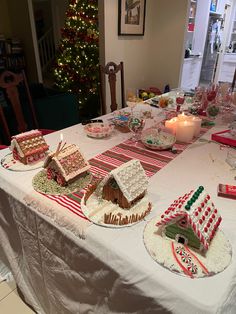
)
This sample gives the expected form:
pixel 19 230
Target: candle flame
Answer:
pixel 61 137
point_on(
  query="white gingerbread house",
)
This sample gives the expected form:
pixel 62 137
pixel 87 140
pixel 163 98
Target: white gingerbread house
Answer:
pixel 191 220
pixel 125 185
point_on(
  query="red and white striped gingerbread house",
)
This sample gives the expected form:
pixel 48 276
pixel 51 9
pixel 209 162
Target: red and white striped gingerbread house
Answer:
pixel 191 220
pixel 29 147
pixel 65 165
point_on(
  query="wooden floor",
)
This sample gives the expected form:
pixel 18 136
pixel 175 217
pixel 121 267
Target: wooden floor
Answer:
pixel 10 302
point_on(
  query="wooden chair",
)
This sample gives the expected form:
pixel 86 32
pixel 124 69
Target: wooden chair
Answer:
pixel 111 69
pixel 11 82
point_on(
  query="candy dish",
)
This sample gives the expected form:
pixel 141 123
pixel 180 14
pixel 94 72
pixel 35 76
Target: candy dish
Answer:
pixel 121 122
pixel 156 139
pixel 98 129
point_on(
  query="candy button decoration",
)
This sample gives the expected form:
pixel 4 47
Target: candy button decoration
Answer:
pixel 180 250
pixel 192 268
pixel 186 258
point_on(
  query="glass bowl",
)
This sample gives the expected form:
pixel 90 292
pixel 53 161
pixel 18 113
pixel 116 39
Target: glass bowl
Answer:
pixel 157 139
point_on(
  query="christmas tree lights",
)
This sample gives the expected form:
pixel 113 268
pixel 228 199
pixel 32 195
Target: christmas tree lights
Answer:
pixel 77 63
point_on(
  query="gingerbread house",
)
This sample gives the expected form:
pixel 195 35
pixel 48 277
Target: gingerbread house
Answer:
pixel 29 147
pixel 124 185
pixel 191 220
pixel 66 165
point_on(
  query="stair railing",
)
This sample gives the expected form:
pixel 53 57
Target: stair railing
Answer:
pixel 46 49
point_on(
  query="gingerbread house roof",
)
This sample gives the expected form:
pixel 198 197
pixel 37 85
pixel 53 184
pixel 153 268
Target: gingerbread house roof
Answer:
pixel 131 179
pixel 29 143
pixel 199 211
pixel 69 161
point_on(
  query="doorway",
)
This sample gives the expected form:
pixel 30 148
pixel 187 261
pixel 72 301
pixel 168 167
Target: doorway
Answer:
pixel 46 18
pixel 215 45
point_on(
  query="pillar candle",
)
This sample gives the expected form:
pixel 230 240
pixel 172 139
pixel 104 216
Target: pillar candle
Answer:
pixel 182 117
pixel 171 125
pixel 184 131
pixel 197 125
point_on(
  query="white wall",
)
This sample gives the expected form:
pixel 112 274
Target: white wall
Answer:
pixel 154 59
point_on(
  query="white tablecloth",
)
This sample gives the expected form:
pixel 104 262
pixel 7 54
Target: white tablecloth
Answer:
pixel 110 271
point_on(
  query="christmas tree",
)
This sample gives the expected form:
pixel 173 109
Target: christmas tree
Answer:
pixel 77 62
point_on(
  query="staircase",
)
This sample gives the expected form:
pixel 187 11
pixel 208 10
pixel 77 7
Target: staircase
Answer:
pixel 46 47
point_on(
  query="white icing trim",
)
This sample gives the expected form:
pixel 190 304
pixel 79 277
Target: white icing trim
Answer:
pixel 131 179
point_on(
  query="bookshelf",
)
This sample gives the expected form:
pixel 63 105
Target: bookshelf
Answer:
pixel 11 54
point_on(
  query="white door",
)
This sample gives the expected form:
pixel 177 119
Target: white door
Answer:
pixel 35 41
pixel 224 33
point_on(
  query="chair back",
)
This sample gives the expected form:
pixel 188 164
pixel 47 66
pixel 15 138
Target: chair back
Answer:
pixel 11 82
pixel 111 70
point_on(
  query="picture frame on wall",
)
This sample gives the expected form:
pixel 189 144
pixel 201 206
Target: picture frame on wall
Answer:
pixel 213 5
pixel 131 18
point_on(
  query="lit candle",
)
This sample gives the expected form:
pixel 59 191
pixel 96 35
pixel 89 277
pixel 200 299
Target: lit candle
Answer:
pixel 197 125
pixel 184 131
pixel 171 125
pixel 61 137
pixel 182 117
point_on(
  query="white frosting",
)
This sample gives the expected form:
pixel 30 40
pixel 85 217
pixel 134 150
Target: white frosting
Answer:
pixel 95 209
pixel 131 179
pixel 28 133
pixel 217 257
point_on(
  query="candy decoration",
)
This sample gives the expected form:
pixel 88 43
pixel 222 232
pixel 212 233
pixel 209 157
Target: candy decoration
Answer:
pixel 198 261
pixel 180 250
pixel 192 268
pixel 186 258
pixel 184 269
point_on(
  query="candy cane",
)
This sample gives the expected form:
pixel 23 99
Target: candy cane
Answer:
pixel 198 234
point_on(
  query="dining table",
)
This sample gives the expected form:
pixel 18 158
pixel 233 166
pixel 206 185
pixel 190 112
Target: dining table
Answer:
pixel 64 264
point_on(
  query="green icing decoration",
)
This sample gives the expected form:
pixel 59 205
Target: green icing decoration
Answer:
pixel 188 233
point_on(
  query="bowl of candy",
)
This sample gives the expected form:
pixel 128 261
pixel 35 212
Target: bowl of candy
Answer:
pixel 158 139
pixel 120 121
pixel 98 129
